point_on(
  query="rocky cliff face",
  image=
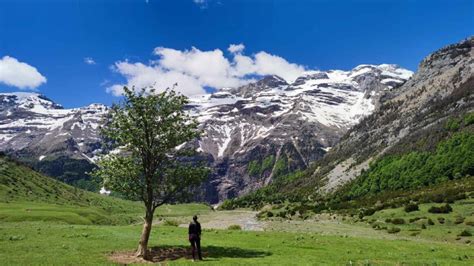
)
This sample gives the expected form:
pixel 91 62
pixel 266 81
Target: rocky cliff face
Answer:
pixel 252 134
pixel 413 120
pixel 34 124
pixel 270 128
pixel 58 142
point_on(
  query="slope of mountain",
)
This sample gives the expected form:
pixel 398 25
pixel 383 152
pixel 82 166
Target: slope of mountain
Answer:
pixel 56 141
pixel 251 134
pixel 19 183
pixel 269 128
pixel 434 104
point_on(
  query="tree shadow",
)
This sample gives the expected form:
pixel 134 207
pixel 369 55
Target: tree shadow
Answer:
pixel 165 252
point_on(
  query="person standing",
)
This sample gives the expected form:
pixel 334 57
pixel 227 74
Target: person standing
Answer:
pixel 194 232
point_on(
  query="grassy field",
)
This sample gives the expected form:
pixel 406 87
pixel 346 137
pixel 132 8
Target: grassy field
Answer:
pixel 45 222
pixel 443 227
pixel 27 243
pixel 323 240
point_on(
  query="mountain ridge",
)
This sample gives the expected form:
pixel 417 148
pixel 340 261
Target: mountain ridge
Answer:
pixel 288 124
pixel 419 118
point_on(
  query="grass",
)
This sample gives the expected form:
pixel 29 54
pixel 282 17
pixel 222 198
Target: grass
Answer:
pixel 43 221
pixel 26 195
pixel 19 183
pixel 445 226
pixel 58 244
pixel 34 211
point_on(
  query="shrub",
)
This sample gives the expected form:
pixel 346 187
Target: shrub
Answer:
pixel 398 221
pixel 393 230
pixel 430 222
pixel 227 205
pixel 441 209
pixel 452 124
pixel 459 220
pixel 234 227
pixel 469 119
pixel 411 207
pixel 471 223
pixel 441 220
pixel 465 233
pixel 171 223
pixel 412 220
pixel 423 226
pixel 366 212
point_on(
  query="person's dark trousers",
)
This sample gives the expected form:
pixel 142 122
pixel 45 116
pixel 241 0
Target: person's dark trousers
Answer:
pixel 196 245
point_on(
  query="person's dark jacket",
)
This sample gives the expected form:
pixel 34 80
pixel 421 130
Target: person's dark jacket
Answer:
pixel 194 229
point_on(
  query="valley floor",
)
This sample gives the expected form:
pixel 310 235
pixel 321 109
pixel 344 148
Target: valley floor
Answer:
pixel 326 240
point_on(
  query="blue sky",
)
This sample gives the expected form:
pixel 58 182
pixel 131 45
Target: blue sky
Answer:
pixel 135 41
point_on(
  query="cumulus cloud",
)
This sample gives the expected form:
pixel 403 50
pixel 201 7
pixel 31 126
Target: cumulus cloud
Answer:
pixel 89 60
pixel 194 70
pixel 18 74
pixel 236 48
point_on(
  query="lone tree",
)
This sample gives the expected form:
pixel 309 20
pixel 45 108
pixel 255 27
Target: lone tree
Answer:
pixel 147 129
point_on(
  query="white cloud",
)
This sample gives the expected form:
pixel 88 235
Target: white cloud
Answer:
pixel 236 48
pixel 89 60
pixel 193 69
pixel 19 74
pixel 201 3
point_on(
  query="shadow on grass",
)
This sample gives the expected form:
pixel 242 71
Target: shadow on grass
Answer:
pixel 166 252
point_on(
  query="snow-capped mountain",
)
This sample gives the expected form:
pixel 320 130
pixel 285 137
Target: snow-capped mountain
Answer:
pixel 252 134
pixel 416 120
pixel 269 128
pixel 34 125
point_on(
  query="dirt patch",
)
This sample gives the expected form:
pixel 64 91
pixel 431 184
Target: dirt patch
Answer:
pixel 157 254
pixel 247 220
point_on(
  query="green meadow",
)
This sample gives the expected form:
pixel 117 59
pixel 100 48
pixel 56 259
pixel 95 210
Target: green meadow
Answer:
pixel 63 235
pixel 45 222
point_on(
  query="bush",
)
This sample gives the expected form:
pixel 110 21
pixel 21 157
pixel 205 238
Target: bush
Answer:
pixel 465 233
pixel 430 222
pixel 469 119
pixel 411 207
pixel 265 214
pixel 398 221
pixel 376 226
pixel 459 220
pixel 471 223
pixel 393 230
pixel 171 223
pixel 441 209
pixel 412 220
pixel 441 220
pixel 234 227
pixel 366 212
pixel 423 226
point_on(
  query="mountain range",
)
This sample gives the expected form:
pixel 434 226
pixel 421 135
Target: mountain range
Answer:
pixel 251 133
pixel 333 124
pixel 422 136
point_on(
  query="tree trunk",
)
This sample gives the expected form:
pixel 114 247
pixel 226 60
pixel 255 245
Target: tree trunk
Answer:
pixel 142 250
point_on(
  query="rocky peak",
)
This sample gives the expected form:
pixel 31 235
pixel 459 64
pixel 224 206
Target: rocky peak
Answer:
pixel 271 81
pixel 28 101
pixel 448 56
